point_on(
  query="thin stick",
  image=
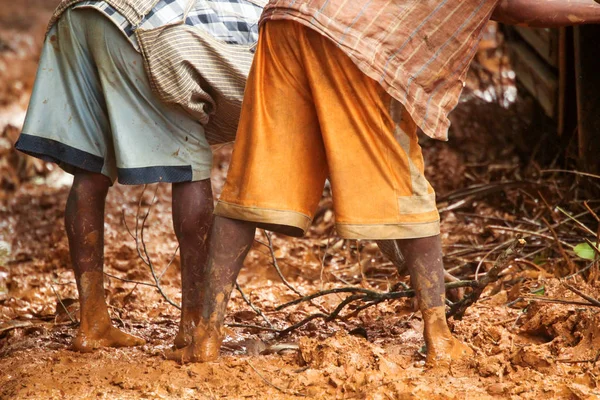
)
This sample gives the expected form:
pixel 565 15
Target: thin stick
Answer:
pixel 530 233
pixel 581 294
pixel 129 280
pixel 250 326
pixel 272 250
pixel 137 222
pixel 303 322
pixel 544 171
pixel 458 309
pixel 561 250
pixel 62 304
pixel 369 297
pixel 585 228
pixel 587 206
pixel 170 262
pixel 256 309
pixel 581 271
pixel 265 380
pixel 149 263
pixel 531 264
pixel 592 360
pixel 126 225
pixel 500 246
pixel 146 260
pixel 324 293
pixel 559 301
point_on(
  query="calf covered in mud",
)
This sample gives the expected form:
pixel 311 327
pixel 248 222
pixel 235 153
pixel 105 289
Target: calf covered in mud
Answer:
pixel 344 118
pixel 351 116
pixel 104 110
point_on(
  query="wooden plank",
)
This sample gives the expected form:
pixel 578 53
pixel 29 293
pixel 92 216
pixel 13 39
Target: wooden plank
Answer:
pixel 545 41
pixel 537 77
pixel 587 67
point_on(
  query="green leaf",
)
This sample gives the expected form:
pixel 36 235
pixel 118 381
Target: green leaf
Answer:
pixel 539 292
pixel 585 251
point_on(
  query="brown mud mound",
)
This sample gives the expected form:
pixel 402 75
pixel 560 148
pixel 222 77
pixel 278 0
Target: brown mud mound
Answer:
pixel 572 332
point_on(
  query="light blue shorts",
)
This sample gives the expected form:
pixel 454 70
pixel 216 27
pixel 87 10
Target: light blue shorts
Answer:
pixel 92 108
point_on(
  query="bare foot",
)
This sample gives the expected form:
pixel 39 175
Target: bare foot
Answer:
pixel 187 327
pixel 444 351
pixel 183 339
pixel 205 347
pixel 442 347
pixel 86 342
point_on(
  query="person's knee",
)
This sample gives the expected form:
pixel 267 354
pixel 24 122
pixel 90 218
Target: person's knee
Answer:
pixel 89 184
pixel 192 210
pixel 196 226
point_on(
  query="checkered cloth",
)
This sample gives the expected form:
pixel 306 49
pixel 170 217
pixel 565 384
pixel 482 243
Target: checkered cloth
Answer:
pixel 230 21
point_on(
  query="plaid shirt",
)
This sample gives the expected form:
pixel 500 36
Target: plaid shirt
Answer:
pixel 200 64
pixel 419 50
pixel 231 21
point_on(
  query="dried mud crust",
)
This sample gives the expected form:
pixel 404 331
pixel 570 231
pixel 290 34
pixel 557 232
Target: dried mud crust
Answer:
pixel 517 354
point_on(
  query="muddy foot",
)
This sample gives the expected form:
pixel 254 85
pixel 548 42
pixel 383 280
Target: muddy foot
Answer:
pixel 182 339
pixel 202 350
pixel 86 342
pixel 445 351
pixel 190 318
pixel 442 348
pixel 188 327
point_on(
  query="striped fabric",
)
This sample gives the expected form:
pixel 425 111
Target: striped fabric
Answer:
pixel 419 50
pixel 199 64
pixel 231 21
pixel 133 10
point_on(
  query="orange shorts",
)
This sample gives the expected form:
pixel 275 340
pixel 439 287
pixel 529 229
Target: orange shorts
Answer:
pixel 310 114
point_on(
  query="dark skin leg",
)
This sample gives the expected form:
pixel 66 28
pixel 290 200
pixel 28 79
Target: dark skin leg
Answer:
pixel 230 242
pixel 192 217
pixel 84 223
pixel 424 262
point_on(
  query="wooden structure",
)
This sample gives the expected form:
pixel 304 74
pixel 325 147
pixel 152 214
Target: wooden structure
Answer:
pixel 561 69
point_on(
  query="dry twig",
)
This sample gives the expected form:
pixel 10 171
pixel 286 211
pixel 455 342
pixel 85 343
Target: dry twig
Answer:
pixel 578 292
pixel 265 380
pixel 276 265
pixel 140 245
pixel 458 309
pixel 63 304
pixel 256 309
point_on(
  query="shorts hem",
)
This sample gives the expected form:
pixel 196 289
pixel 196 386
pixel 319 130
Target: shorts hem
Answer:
pixel 266 216
pixel 154 174
pixel 70 159
pixel 388 231
pixel 65 156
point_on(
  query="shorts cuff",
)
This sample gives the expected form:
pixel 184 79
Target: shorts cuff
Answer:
pixel 167 174
pixel 264 216
pixel 59 153
pixel 389 231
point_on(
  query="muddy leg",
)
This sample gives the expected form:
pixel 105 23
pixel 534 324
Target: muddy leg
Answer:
pixel 192 217
pixel 84 223
pixel 424 262
pixel 391 250
pixel 230 242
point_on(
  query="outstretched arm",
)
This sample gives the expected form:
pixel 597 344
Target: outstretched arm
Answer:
pixel 547 13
